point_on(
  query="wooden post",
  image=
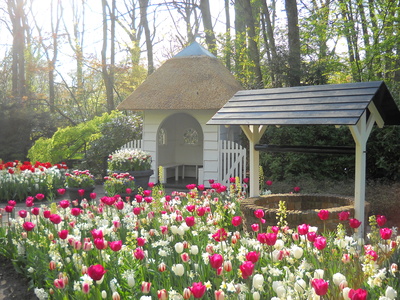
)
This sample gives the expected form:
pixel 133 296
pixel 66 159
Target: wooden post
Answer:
pixel 254 134
pixel 361 132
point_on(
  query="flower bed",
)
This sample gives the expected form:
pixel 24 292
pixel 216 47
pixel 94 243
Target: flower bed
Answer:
pixel 192 246
pixel 19 180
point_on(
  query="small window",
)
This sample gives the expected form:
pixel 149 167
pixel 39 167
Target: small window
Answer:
pixel 162 137
pixel 191 137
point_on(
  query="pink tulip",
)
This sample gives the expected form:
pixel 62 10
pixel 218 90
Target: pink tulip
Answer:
pixel 115 246
pixel 354 223
pixel 139 254
pixel 386 233
pixel 162 294
pixel 320 242
pixel 28 226
pixel 381 220
pixel 198 289
pixel 303 229
pixel 216 260
pixel 253 256
pixel 146 286
pixel 323 214
pixel 320 286
pixel 236 220
pixel 344 215
pixel 358 294
pixel 96 272
pixel 247 269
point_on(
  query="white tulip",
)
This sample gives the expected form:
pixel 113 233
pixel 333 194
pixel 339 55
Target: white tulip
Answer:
pixel 300 285
pixel 256 296
pixel 338 278
pixel 179 247
pixel 178 269
pixel 194 250
pixel 258 281
pixel 297 252
pixel 345 292
pixel 319 274
pixel 390 293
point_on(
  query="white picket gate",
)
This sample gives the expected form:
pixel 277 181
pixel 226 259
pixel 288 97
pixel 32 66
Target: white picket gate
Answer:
pixel 232 161
pixel 135 144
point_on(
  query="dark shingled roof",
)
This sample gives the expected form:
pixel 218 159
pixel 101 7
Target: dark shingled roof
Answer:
pixel 336 104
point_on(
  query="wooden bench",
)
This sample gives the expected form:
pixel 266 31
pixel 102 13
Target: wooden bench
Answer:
pixel 170 166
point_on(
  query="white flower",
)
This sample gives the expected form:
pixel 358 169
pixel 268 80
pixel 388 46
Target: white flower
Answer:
pixel 338 278
pixel 390 293
pixel 178 269
pixel 345 292
pixel 297 252
pixel 279 244
pixel 194 249
pixel 300 285
pixel 179 247
pixel 319 274
pixel 256 296
pixel 145 298
pixel 258 281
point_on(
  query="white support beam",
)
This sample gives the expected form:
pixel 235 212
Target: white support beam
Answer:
pixel 254 134
pixel 361 132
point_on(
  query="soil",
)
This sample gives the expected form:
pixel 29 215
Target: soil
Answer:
pixel 12 284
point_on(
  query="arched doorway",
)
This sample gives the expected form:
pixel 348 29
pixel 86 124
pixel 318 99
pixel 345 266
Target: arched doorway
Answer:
pixel 179 148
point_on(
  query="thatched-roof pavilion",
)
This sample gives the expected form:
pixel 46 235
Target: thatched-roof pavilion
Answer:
pixel 178 99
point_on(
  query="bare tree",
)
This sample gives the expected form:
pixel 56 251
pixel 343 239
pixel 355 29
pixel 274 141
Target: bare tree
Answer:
pixel 208 28
pixel 294 59
pixel 144 4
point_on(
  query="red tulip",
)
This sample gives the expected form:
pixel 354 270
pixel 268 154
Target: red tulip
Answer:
pixel 354 223
pixel 190 221
pixel 64 203
pixel 247 269
pixel 139 254
pixel 9 208
pixel 259 213
pixel 198 289
pixel 136 211
pixel 303 229
pixel 146 286
pixel 55 219
pixel 100 243
pixel 344 215
pixel 28 226
pixel 320 242
pixel 236 220
pixel 220 235
pixel 63 234
pixel 61 191
pixel 359 294
pixel 81 192
pixel 216 260
pixel 311 236
pixel 323 214
pixel 162 294
pixel 386 233
pixel 23 213
pixel 253 256
pixel 75 211
pixel 141 241
pixel 115 246
pixel 92 196
pixel 96 272
pixel 320 286
pixel 39 196
pixel 35 211
pixel 381 220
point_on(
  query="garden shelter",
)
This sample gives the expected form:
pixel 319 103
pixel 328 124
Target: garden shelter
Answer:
pixel 356 105
pixel 177 100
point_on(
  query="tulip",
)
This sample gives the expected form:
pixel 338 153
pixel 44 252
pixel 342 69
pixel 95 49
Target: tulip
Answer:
pixel 372 255
pixel 61 191
pixel 23 213
pixel 303 229
pixel 39 196
pixel 338 278
pixel 219 295
pixel 162 267
pixel 323 214
pixel 35 211
pixel 320 242
pixel 179 247
pixel 259 213
pixel 185 257
pixel 381 220
pixel 100 244
pixel 227 266
pixel 96 272
pixel 162 294
pixel 52 265
pixel 187 293
pixel 311 235
pixel 296 189
pixel 216 260
pixel 190 221
pixel 320 286
pixel 220 235
pixel 358 294
pixel 255 227
pixel 344 215
pixel 198 289
pixel 63 234
pixel 390 293
pixel 354 223
pixel 386 233
pixel 85 287
pixel 201 211
pixel 139 254
pixel 258 281
pixel 28 226
pixel 346 258
pixel 92 196
pixel 55 219
pixel 115 246
pixel 178 269
pixel 236 220
pixel 146 286
pixel 141 241
pixel 64 203
pixel 247 269
pixel 253 256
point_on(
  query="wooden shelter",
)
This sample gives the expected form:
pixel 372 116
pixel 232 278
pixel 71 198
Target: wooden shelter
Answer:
pixel 356 105
pixel 177 100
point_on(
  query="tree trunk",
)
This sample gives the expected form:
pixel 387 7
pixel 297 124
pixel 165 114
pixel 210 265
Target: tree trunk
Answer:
pixel 294 59
pixel 208 28
pixel 149 45
pixel 107 74
pixel 228 46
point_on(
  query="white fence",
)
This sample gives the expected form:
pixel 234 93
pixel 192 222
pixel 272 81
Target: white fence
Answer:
pixel 135 144
pixel 232 161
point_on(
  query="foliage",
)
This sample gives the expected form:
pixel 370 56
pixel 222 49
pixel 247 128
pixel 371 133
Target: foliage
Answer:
pixel 114 134
pixel 18 180
pixel 79 179
pixel 91 141
pixel 193 244
pixel 125 160
pixel 119 184
pixel 294 165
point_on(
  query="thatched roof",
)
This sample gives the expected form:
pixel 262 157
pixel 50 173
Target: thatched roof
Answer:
pixel 193 79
